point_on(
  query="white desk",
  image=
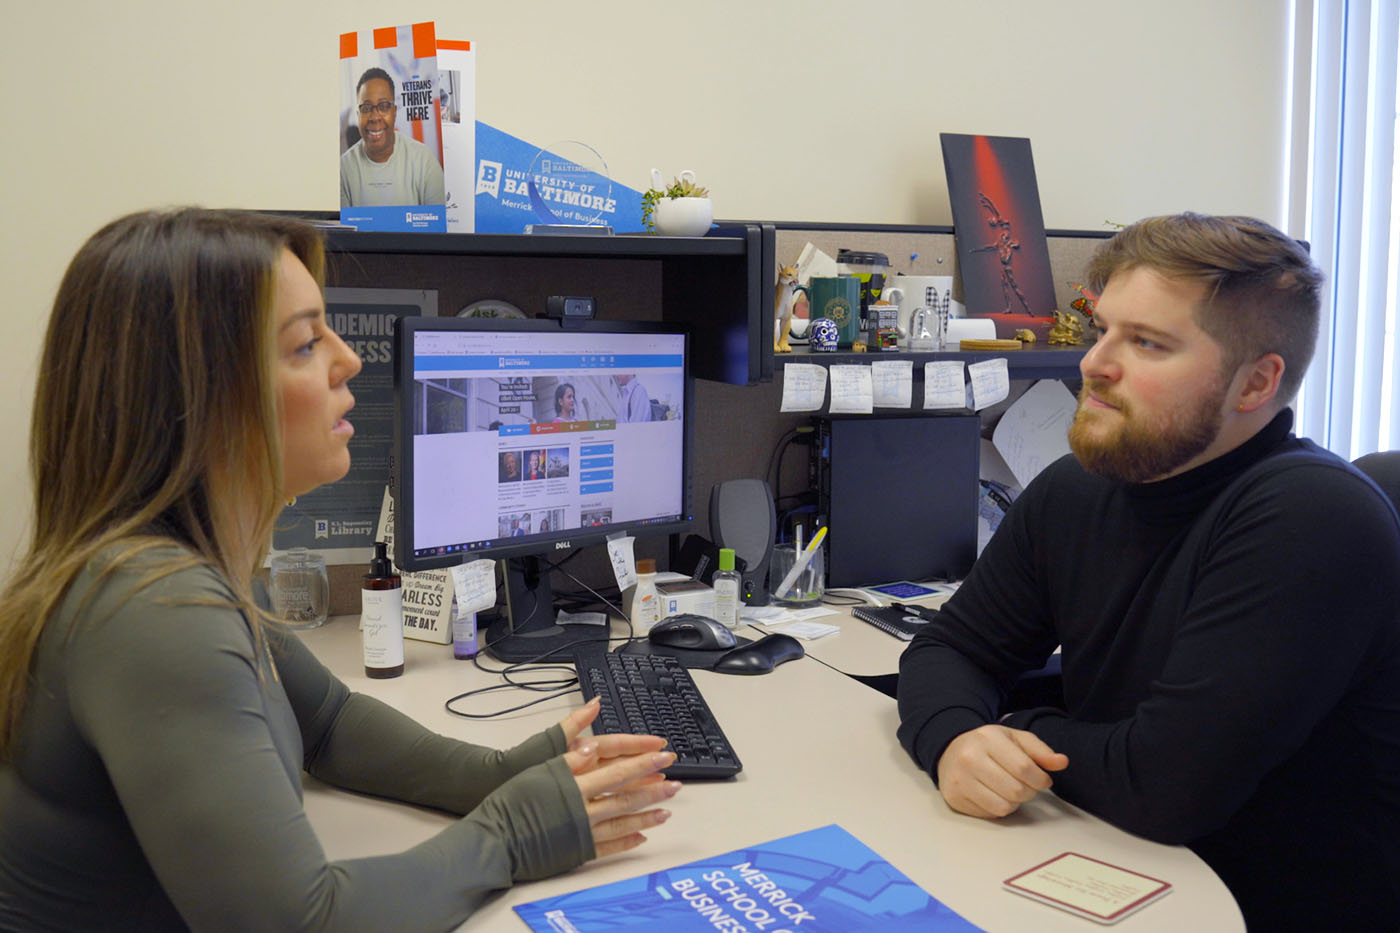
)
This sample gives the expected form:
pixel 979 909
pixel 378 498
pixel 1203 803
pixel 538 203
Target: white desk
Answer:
pixel 817 748
pixel 859 649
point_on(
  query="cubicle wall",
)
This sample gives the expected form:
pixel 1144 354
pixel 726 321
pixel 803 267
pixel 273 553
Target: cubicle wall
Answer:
pixel 737 427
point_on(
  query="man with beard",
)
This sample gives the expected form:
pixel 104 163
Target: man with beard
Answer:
pixel 1227 597
pixel 386 167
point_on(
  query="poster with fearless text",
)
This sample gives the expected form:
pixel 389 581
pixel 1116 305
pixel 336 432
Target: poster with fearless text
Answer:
pixel 821 881
pixel 391 131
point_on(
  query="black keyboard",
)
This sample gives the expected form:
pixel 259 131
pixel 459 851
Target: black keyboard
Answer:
pixel 654 695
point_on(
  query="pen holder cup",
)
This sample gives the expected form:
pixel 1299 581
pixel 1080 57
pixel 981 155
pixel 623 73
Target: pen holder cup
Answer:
pixel 299 589
pixel 807 589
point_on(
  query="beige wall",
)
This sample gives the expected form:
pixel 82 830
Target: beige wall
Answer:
pixel 788 110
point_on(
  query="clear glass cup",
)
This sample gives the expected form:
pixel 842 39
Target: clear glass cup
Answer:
pixel 807 588
pixel 299 588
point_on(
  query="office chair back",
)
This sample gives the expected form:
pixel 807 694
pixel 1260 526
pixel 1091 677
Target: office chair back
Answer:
pixel 1384 470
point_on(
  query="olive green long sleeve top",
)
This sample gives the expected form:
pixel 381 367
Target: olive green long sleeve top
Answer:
pixel 156 781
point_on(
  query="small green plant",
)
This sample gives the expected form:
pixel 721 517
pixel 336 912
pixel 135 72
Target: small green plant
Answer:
pixel 679 188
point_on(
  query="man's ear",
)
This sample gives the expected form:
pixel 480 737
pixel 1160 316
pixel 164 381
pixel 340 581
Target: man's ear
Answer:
pixel 1261 382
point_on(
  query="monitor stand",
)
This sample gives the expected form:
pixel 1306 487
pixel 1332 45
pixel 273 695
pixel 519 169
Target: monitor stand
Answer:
pixel 525 630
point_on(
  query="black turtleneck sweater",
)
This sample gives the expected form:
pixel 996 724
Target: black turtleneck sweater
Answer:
pixel 1231 659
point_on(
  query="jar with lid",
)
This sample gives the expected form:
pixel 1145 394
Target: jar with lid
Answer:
pixel 298 588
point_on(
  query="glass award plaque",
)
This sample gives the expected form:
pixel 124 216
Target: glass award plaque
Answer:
pixel 570 191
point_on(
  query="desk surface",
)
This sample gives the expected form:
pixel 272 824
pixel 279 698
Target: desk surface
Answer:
pixel 818 748
pixel 859 649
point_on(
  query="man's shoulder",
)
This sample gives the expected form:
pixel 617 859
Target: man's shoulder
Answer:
pixel 411 147
pixel 354 154
pixel 1302 467
pixel 1315 487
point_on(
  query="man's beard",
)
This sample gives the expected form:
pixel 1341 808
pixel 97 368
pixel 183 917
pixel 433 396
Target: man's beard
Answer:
pixel 1138 451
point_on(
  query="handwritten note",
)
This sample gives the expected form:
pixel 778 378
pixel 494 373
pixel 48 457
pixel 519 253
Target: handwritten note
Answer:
pixel 804 387
pixel 893 383
pixel 851 390
pixel 475 585
pixel 943 384
pixel 624 567
pixel 1089 887
pixel 990 382
pixel 1034 431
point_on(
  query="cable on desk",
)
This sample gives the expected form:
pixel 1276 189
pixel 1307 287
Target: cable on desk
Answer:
pixel 553 687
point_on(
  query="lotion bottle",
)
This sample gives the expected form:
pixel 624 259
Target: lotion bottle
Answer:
pixel 381 616
pixel 726 586
pixel 645 607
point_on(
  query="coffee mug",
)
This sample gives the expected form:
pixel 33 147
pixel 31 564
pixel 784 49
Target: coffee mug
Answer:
pixel 912 289
pixel 835 297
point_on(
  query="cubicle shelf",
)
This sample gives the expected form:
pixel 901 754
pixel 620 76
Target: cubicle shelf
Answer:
pixel 709 284
pixel 1040 363
pixel 629 246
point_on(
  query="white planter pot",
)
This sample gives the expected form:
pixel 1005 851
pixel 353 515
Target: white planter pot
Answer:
pixel 683 216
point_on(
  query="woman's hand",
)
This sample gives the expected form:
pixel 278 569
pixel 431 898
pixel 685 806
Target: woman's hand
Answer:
pixel 618 776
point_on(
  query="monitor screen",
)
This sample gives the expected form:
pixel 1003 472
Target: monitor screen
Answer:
pixel 521 438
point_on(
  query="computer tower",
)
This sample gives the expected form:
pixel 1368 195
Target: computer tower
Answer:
pixel 899 497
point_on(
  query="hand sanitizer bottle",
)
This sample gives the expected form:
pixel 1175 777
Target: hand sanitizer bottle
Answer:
pixel 726 585
pixel 381 616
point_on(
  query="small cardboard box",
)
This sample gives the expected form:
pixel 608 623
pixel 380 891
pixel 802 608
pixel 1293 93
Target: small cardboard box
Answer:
pixel 690 596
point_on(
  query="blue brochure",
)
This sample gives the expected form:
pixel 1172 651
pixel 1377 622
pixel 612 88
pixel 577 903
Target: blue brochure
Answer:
pixel 821 881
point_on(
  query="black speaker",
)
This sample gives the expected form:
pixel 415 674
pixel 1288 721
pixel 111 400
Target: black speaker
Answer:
pixel 742 517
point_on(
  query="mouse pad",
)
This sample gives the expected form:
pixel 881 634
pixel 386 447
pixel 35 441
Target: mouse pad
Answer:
pixel 698 658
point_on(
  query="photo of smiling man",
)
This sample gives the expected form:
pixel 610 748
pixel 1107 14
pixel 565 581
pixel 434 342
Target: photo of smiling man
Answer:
pixel 386 166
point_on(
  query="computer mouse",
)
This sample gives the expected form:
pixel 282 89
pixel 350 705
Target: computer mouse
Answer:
pixel 685 630
pixel 761 656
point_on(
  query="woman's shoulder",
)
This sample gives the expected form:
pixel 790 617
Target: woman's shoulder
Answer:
pixel 148 583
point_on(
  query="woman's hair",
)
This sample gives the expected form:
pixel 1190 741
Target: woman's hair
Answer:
pixel 559 396
pixel 155 415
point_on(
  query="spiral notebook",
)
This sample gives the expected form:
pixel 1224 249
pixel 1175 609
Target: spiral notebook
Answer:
pixel 901 621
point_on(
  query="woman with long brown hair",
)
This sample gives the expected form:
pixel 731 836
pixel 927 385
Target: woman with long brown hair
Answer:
pixel 154 721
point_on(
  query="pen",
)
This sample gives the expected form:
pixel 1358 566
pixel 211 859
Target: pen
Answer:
pixel 803 559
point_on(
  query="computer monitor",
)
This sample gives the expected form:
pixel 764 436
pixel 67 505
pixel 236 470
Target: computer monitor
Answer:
pixel 516 439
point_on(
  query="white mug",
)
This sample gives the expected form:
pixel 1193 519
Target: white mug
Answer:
pixel 913 288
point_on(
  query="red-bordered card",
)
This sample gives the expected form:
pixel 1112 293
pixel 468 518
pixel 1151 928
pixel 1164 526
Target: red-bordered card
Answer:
pixel 1088 887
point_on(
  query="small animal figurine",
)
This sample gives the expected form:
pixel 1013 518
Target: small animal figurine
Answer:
pixel 782 309
pixel 1025 335
pixel 1066 330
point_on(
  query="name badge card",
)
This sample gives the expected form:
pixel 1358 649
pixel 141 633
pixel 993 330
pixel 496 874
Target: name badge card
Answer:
pixel 1088 887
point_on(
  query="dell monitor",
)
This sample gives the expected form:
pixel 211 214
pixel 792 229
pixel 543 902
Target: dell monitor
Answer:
pixel 520 439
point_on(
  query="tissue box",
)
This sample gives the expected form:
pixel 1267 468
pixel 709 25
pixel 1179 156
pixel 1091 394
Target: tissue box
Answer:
pixel 686 596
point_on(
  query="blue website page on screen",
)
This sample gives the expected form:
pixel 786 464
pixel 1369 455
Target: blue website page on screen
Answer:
pixel 530 433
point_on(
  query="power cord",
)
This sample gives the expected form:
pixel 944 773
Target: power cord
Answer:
pixel 566 682
pixel 774 474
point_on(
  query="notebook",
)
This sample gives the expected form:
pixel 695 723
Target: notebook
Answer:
pixel 903 621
